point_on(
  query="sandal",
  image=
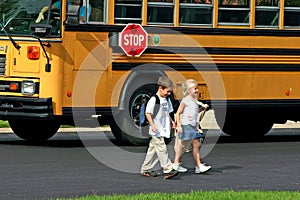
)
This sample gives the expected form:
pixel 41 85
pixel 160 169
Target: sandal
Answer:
pixel 150 174
pixel 146 174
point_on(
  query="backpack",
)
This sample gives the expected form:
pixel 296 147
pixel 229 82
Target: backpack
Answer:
pixel 144 124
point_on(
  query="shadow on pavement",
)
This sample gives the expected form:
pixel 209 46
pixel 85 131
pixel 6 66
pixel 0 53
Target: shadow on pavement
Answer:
pixel 72 140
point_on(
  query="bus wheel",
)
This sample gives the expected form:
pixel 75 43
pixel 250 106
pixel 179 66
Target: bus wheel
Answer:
pixel 34 130
pixel 137 99
pixel 244 124
pixel 118 133
pixel 122 133
pixel 141 95
pixel 125 123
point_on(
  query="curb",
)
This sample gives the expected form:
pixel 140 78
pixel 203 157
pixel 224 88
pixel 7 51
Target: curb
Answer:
pixel 65 130
pixel 208 122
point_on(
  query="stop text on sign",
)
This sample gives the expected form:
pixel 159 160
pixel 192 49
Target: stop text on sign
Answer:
pixel 133 40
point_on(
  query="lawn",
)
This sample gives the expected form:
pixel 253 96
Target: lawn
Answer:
pixel 4 124
pixel 197 195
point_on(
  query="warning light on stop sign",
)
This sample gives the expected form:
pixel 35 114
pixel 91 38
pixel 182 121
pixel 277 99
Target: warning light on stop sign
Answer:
pixel 133 40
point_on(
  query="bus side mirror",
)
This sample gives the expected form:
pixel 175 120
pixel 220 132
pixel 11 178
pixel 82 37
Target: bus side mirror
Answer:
pixel 41 30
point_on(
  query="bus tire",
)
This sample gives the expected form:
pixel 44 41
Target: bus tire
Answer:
pixel 143 93
pixel 120 136
pixel 138 97
pixel 125 125
pixel 34 130
pixel 243 123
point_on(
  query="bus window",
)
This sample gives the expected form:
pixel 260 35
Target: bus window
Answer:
pixel 128 11
pixel 18 16
pixel 292 13
pixel 97 11
pixel 266 13
pixel 160 12
pixel 196 12
pixel 78 11
pixel 83 11
pixel 234 12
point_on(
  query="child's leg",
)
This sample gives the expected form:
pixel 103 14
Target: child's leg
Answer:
pixel 162 154
pixel 178 147
pixel 196 149
pixel 149 161
pixel 199 168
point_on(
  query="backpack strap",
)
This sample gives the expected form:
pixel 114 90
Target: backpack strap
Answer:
pixel 156 106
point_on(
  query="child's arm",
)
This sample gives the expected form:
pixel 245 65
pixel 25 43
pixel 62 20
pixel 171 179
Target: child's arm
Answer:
pixel 151 123
pixel 203 107
pixel 178 120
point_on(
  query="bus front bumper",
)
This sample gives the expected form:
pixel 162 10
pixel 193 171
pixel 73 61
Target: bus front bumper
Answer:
pixel 25 108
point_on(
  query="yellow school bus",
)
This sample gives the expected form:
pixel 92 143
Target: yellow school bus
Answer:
pixel 61 62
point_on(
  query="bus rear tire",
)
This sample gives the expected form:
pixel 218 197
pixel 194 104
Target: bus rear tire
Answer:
pixel 244 123
pixel 34 130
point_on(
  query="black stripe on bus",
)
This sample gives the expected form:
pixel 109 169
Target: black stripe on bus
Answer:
pixel 185 30
pixel 206 67
pixel 267 103
pixel 213 50
pixel 286 104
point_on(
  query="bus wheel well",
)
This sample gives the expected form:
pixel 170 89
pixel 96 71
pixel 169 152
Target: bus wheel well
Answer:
pixel 125 123
pixel 136 80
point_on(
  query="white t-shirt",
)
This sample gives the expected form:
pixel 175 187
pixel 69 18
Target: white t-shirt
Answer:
pixel 190 112
pixel 162 120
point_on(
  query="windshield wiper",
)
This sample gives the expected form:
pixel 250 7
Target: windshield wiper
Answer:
pixel 18 47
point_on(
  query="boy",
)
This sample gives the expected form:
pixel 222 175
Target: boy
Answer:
pixel 160 127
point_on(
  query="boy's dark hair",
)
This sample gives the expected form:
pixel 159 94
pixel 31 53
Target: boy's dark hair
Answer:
pixel 165 82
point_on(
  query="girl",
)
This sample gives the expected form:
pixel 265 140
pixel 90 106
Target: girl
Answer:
pixel 187 129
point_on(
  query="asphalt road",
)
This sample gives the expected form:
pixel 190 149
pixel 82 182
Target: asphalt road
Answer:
pixel 69 166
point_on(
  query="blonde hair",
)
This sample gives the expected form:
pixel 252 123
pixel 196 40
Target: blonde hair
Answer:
pixel 187 85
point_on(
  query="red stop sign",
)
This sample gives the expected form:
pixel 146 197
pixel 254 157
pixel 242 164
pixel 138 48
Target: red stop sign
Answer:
pixel 133 40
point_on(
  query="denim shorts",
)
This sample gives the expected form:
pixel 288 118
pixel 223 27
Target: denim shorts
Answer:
pixel 188 133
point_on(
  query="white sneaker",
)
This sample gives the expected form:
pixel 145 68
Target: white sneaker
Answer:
pixel 202 168
pixel 179 168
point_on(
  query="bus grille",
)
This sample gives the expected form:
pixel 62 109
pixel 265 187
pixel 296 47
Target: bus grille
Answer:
pixel 2 64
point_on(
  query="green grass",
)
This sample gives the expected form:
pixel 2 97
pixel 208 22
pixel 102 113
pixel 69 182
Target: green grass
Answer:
pixel 4 124
pixel 206 195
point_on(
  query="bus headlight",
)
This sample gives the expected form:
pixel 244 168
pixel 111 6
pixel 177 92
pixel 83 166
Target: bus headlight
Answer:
pixel 28 87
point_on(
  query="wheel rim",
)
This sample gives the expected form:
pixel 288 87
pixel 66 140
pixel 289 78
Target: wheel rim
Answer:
pixel 134 109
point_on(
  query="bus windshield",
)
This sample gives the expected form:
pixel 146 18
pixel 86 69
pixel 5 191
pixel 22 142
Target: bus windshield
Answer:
pixel 17 16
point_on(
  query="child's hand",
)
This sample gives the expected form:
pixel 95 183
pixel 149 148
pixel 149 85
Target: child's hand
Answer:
pixel 154 129
pixel 205 105
pixel 173 124
pixel 179 129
